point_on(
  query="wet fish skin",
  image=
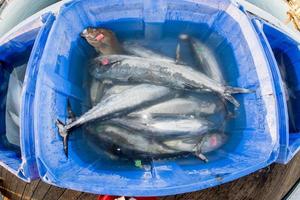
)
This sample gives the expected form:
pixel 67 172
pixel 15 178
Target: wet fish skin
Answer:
pixel 207 60
pixel 133 48
pixel 116 89
pixel 128 140
pixel 96 91
pixel 166 127
pixel 105 42
pixel 196 105
pixel 201 144
pixel 142 70
pixel 13 104
pixel 117 105
pixel 128 100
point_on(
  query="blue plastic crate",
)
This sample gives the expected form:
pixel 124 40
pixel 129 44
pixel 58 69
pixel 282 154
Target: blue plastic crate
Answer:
pixel 253 134
pixel 277 42
pixel 24 45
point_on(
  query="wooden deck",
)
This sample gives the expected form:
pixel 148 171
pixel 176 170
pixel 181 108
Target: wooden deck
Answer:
pixel 271 183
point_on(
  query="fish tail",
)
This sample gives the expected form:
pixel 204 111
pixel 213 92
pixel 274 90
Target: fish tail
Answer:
pixel 232 100
pixel 63 132
pixel 237 90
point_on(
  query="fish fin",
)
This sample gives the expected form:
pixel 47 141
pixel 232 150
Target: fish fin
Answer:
pixel 232 100
pixel 63 132
pixel 71 114
pixel 237 90
pixel 201 156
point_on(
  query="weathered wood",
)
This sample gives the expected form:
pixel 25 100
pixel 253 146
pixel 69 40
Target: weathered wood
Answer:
pixel 40 191
pixel 20 188
pixel 271 183
pixel 54 193
pixel 87 196
pixel 29 189
pixel 70 195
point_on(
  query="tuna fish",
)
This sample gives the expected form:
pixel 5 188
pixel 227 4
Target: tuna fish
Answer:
pixel 207 60
pixel 117 105
pixel 166 127
pixel 201 145
pixel 105 42
pixel 131 69
pixel 138 144
pixel 196 105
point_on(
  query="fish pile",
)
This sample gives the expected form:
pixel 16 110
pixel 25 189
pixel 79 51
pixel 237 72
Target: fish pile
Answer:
pixel 13 104
pixel 149 105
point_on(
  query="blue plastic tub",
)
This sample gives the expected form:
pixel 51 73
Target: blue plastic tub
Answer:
pixel 24 45
pixel 276 43
pixel 253 141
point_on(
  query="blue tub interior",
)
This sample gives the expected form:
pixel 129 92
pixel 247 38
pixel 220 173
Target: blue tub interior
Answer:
pixel 12 55
pixel 63 75
pixel 24 46
pixel 286 55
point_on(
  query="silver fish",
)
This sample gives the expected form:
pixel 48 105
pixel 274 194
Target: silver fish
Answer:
pixel 128 140
pixel 126 69
pixel 96 91
pixel 133 48
pixel 207 60
pixel 116 105
pixel 167 127
pixel 201 145
pixel 116 89
pixel 13 104
pixel 196 105
pixel 136 143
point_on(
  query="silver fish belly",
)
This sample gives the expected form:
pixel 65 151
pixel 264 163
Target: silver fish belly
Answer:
pixel 142 70
pixel 201 144
pixel 199 105
pixel 133 48
pixel 127 140
pixel 166 127
pixel 116 105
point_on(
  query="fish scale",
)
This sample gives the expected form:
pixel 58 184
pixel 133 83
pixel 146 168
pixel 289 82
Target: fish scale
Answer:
pixel 132 69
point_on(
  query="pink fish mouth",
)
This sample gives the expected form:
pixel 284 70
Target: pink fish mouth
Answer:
pixel 105 61
pixel 99 37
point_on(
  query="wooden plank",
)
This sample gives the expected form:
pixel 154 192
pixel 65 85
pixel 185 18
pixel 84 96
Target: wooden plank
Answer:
pixel 1 171
pixel 29 189
pixel 54 193
pixel 40 191
pixel 21 188
pixel 70 195
pixel 87 196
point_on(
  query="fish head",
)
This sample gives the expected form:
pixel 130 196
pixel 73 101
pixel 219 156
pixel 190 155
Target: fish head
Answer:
pixel 107 61
pixel 103 40
pixel 211 142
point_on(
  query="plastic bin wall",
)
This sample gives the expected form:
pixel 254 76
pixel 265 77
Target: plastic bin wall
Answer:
pixel 253 142
pixel 277 41
pixel 26 46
